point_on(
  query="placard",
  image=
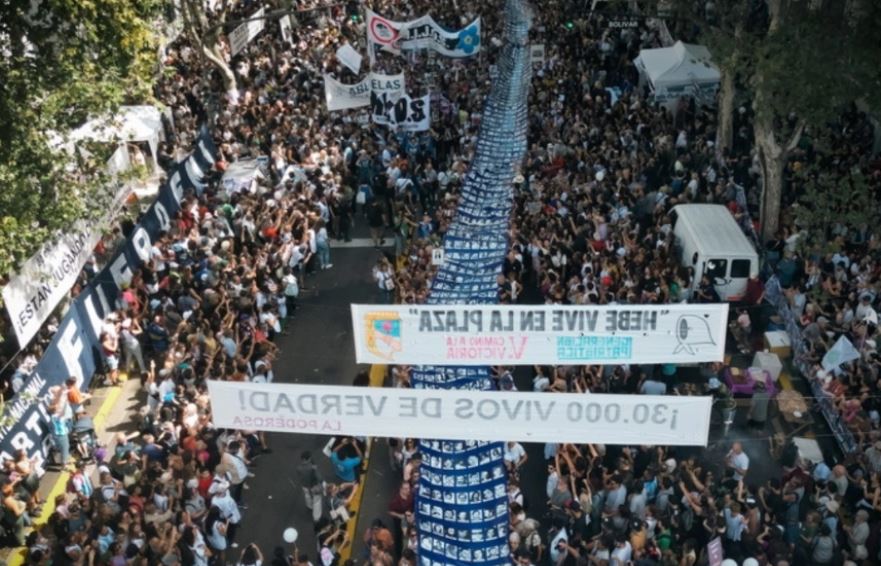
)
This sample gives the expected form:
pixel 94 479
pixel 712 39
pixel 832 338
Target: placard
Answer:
pixel 537 54
pixel 286 29
pixel 246 31
pixel 539 334
pixel 452 414
pixel 347 55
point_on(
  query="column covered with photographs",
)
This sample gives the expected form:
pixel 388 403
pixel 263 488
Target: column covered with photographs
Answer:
pixel 461 503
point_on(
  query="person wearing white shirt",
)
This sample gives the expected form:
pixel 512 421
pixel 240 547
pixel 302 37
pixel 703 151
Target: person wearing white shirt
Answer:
pixel 229 509
pixel 738 461
pixel 515 456
pixel 622 553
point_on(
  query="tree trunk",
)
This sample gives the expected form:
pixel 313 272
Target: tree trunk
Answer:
pixel 207 40
pixel 725 135
pixel 772 193
pixel 775 12
pixel 772 157
pixel 215 55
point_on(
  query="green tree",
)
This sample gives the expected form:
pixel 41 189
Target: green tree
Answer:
pixel 799 61
pixel 815 58
pixel 833 206
pixel 61 62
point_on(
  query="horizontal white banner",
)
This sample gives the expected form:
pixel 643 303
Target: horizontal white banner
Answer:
pixel 341 96
pixel 45 279
pixel 473 335
pixel 461 415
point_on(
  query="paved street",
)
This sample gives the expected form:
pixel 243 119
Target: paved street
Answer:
pixel 319 349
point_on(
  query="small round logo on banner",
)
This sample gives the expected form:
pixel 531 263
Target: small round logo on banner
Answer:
pixel 383 31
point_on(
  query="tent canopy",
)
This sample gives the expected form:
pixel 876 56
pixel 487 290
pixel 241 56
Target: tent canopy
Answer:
pixel 129 124
pixel 679 64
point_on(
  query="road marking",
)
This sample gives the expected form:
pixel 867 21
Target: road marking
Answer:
pixel 377 378
pixel 360 243
pixel 19 557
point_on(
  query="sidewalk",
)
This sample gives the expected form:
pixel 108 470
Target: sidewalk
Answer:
pixel 111 409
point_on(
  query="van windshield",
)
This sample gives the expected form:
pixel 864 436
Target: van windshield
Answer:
pixel 716 268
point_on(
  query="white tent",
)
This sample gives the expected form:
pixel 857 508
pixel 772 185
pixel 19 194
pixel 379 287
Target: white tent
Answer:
pixel 682 69
pixel 129 124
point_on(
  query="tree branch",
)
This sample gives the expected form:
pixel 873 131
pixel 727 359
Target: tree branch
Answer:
pixel 796 135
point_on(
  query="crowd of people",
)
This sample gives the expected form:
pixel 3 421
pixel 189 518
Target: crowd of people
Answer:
pixel 591 225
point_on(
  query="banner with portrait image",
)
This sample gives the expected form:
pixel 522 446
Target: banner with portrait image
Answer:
pixel 469 335
pixel 402 113
pixel 421 33
pixel 341 96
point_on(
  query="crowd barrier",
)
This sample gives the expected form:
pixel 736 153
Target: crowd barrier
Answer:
pixel 775 296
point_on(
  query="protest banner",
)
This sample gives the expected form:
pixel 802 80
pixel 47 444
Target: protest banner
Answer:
pixel 421 33
pixel 341 96
pixel 404 113
pixel 461 414
pixel 73 351
pixel 540 334
pixel 246 31
pixel 33 293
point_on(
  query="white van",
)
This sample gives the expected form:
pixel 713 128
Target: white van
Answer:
pixel 709 240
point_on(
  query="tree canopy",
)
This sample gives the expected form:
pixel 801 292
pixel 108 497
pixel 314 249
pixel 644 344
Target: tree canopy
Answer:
pixel 799 62
pixel 61 61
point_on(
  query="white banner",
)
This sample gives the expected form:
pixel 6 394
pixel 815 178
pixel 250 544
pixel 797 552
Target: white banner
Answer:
pixel 422 33
pixel 474 335
pixel 670 420
pixel 286 29
pixel 245 32
pixel 341 96
pixel 404 113
pixel 45 278
pixel 347 55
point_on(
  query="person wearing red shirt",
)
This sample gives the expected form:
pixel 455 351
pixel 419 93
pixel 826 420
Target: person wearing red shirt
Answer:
pixel 397 508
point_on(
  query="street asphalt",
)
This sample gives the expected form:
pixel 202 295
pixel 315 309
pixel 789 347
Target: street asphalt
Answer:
pixel 317 350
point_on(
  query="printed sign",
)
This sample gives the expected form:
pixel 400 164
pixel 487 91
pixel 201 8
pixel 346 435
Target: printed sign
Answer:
pixel 437 256
pixel 715 554
pixel 422 33
pixel 462 415
pixel 537 54
pixel 404 113
pixel 286 29
pixel 347 55
pixel 341 96
pixel 33 294
pixel 542 334
pixel 245 32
